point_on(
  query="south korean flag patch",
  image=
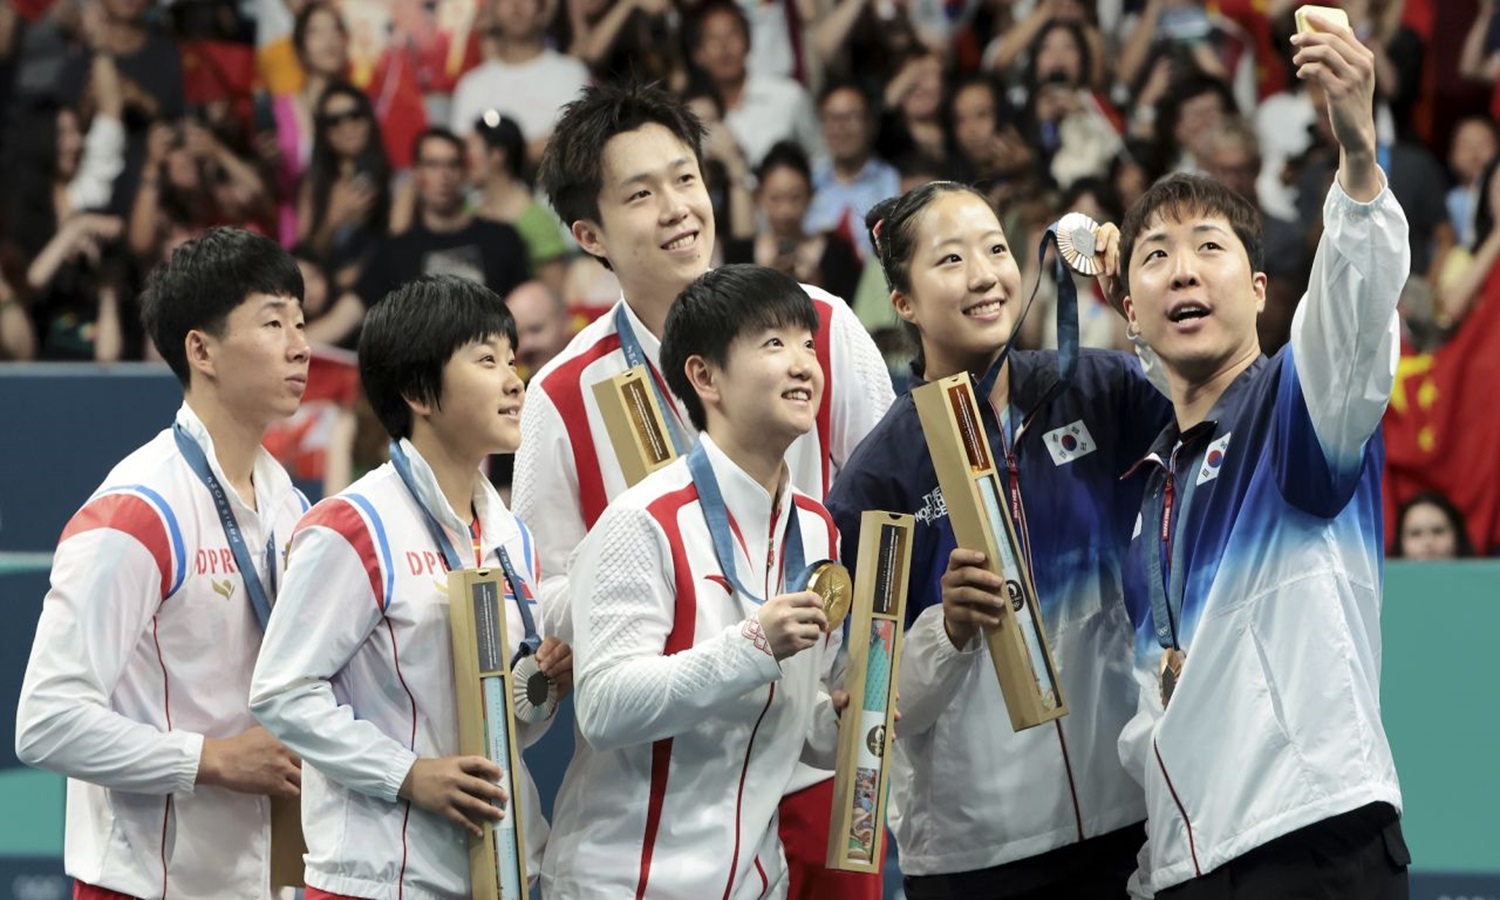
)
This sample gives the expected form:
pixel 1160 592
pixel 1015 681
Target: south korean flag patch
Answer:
pixel 1213 461
pixel 1069 442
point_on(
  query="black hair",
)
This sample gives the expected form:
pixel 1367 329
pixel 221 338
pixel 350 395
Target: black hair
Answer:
pixel 572 171
pixel 692 29
pixel 409 336
pixel 1169 108
pixel 323 168
pixel 1462 546
pixel 304 21
pixel 1178 196
pixel 785 155
pixel 501 132
pixel 837 85
pixel 892 224
pixel 1104 192
pixel 437 133
pixel 720 306
pixel 205 280
pixel 1085 54
pixel 1484 215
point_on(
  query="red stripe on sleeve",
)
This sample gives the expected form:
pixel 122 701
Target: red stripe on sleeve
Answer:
pixel 132 515
pixel 564 385
pixel 340 517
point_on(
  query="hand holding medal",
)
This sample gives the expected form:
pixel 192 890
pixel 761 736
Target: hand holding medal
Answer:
pixel 1089 248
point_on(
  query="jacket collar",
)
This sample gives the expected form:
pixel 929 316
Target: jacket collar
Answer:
pixel 751 509
pixel 496 524
pixel 1170 436
pixel 272 484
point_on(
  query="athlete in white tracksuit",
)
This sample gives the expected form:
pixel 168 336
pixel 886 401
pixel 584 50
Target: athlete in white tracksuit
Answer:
pixel 691 728
pixel 362 628
pixel 144 648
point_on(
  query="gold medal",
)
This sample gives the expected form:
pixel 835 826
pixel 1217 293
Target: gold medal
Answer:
pixel 1169 672
pixel 1075 241
pixel 831 581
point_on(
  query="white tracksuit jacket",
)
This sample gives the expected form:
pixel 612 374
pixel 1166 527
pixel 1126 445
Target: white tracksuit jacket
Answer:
pixel 356 676
pixel 1276 535
pixel 692 730
pixel 144 648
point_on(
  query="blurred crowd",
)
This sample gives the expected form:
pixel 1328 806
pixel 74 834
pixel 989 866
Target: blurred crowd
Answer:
pixel 382 139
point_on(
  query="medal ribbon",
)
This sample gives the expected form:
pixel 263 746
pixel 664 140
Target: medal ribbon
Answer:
pixel 259 596
pixel 532 641
pixel 1167 593
pixel 717 516
pixel 635 356
pixel 1067 305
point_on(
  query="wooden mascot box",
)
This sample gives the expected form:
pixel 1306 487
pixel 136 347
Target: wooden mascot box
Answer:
pixel 635 423
pixel 976 501
pixel 487 724
pixel 856 840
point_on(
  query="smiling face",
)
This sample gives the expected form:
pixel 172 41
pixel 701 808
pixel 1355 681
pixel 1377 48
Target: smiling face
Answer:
pixel 656 223
pixel 768 391
pixel 963 282
pixel 1193 295
pixel 479 411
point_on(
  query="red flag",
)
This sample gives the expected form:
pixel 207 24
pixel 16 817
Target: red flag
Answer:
pixel 1442 432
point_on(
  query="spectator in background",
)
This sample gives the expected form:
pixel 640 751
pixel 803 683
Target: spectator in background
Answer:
pixel 1193 37
pixel 1467 270
pixel 497 153
pixel 543 326
pixel 759 109
pixel 1063 118
pixel 1480 58
pixel 191 182
pixel 851 179
pixel 445 238
pixel 1415 178
pixel 1191 109
pixel 17 337
pixel 912 121
pixel 1398 55
pixel 55 171
pixel 624 39
pixel 991 155
pixel 823 259
pixel 1230 154
pixel 726 174
pixel 1476 142
pixel 521 76
pixel 1428 527
pixel 344 204
pixel 321 42
pixel 150 69
pixel 1011 49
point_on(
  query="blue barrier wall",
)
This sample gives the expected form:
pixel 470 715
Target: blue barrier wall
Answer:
pixel 64 427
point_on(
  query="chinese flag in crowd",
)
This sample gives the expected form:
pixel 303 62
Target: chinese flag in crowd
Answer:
pixel 1442 432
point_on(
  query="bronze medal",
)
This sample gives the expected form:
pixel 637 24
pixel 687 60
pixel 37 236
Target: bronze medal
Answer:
pixel 831 582
pixel 1169 671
